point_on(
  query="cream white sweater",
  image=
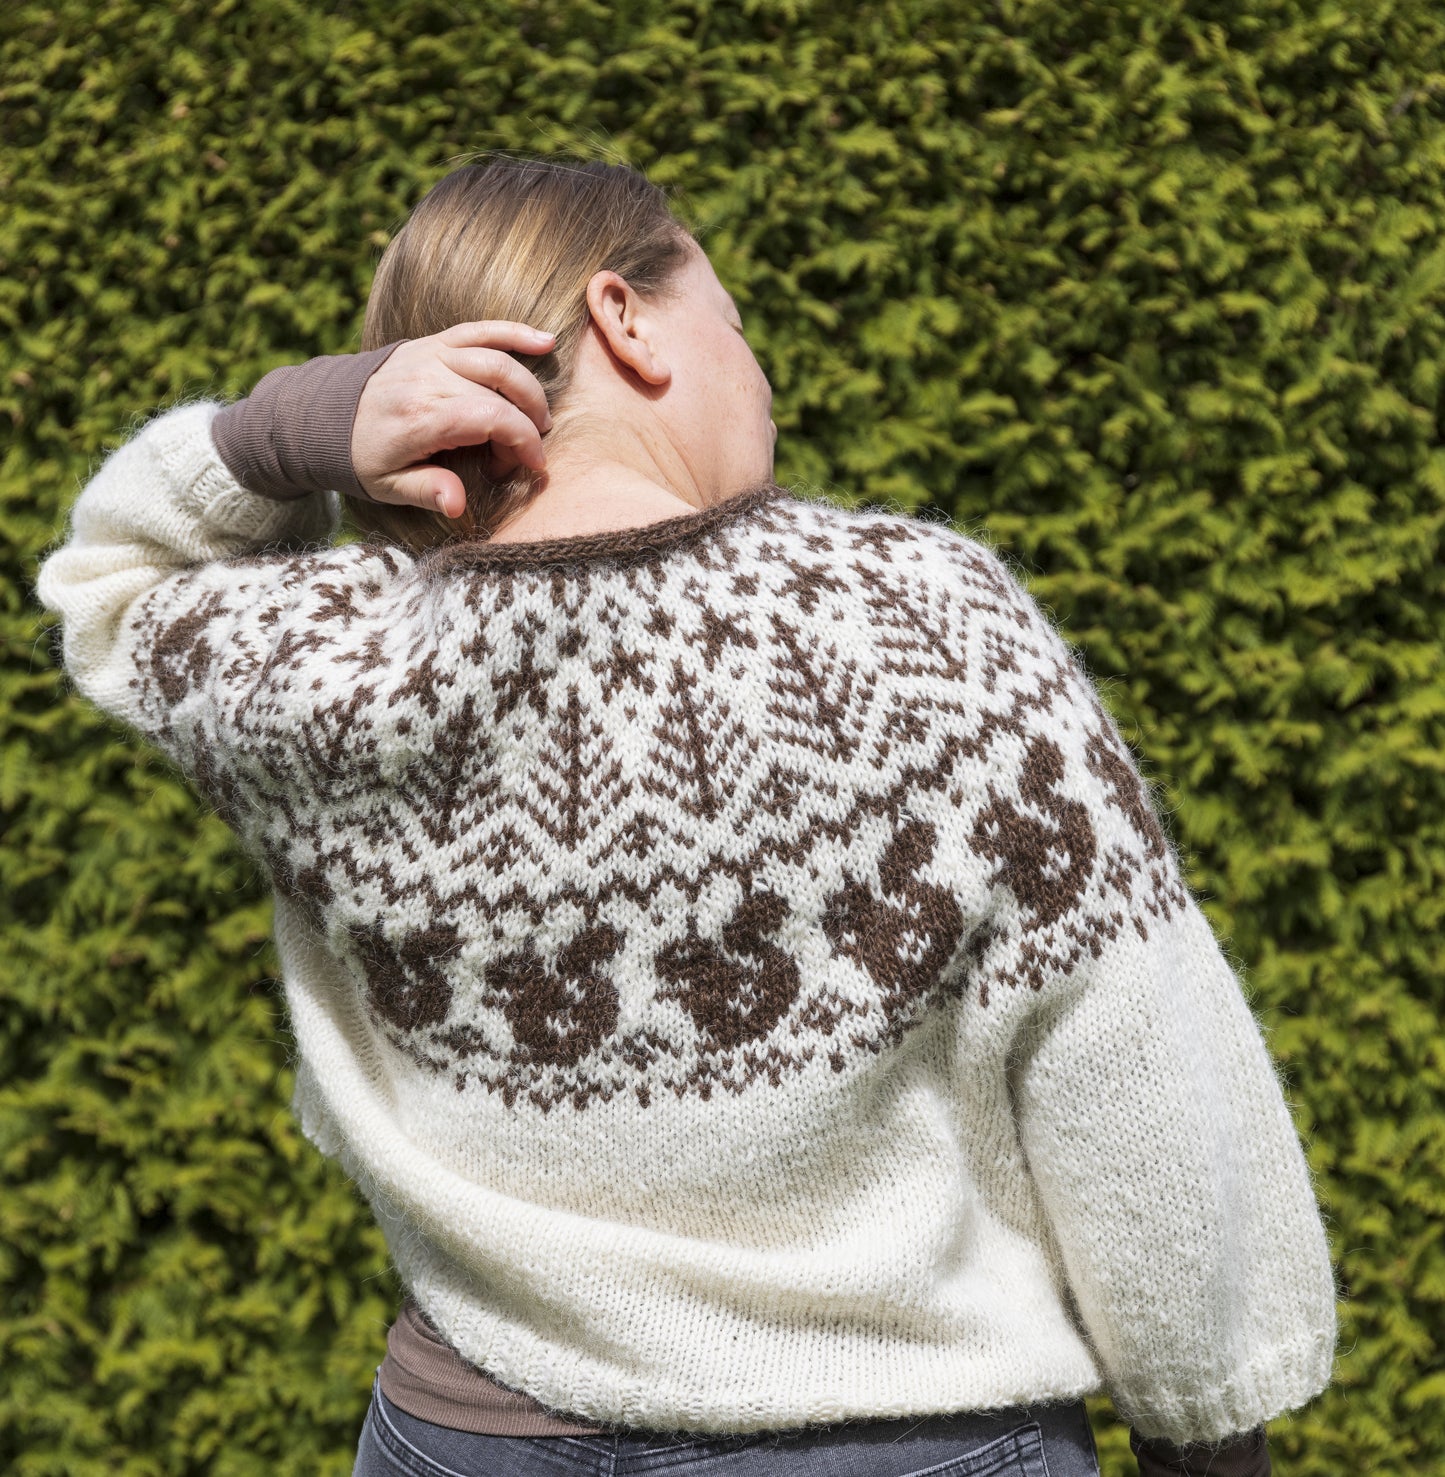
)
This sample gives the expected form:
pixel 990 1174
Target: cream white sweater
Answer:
pixel 737 959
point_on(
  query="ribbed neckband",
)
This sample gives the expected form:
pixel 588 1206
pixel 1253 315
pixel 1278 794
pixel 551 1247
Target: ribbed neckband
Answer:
pixel 630 544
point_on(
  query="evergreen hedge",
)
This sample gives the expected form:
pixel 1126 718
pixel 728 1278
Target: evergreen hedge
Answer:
pixel 1151 291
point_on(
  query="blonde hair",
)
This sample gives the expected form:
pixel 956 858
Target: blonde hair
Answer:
pixel 517 239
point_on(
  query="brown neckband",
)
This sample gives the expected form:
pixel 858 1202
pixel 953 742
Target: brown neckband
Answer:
pixel 635 543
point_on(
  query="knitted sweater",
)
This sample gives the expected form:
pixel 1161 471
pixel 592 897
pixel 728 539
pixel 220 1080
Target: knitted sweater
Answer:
pixel 737 958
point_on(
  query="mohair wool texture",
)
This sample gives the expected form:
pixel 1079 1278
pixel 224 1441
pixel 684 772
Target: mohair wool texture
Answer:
pixel 737 959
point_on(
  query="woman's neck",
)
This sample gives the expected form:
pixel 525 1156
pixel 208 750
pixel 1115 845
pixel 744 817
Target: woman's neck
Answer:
pixel 603 502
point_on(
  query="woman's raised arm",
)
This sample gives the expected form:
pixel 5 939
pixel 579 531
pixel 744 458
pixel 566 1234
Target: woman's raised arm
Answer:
pixel 199 568
pixel 365 424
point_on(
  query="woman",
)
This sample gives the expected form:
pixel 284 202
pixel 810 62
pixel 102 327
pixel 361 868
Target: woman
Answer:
pixel 727 940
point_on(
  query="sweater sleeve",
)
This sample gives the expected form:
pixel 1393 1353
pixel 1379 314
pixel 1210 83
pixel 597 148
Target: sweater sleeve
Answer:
pixel 194 610
pixel 1153 1122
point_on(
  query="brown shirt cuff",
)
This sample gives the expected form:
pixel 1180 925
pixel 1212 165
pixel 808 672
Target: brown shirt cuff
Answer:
pixel 1240 1456
pixel 292 434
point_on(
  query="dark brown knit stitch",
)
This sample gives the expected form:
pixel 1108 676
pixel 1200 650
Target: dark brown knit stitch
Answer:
pixel 181 655
pixel 718 633
pixel 450 778
pixel 691 744
pixel 220 788
pixel 426 682
pixel 906 936
pixel 736 990
pixel 336 603
pixel 815 696
pixel 879 538
pixel 406 983
pixel 525 683
pixel 559 1014
pixel 622 668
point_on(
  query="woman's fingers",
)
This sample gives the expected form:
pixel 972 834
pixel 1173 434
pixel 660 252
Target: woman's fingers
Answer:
pixel 489 332
pixel 497 370
pixel 460 387
pixel 484 345
pixel 474 420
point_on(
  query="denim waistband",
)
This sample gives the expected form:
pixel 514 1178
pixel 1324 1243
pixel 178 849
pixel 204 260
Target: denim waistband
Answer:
pixel 1045 1440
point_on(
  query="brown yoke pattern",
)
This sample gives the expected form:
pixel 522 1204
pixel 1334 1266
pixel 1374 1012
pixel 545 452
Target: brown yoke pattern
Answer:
pixel 485 843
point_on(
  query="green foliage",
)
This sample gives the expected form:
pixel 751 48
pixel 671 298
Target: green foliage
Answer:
pixel 1149 291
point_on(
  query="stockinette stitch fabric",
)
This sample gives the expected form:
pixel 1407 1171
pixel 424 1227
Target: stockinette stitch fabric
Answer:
pixel 738 959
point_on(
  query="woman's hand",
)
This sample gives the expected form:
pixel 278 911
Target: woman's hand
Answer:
pixel 456 388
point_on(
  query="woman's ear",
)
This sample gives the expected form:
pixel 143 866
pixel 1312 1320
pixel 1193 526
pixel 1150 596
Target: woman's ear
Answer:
pixel 629 327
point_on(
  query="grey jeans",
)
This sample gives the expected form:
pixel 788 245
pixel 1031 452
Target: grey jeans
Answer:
pixel 1037 1441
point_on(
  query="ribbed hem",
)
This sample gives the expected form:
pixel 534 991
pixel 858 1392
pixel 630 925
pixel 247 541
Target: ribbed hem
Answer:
pixel 1276 1380
pixel 292 434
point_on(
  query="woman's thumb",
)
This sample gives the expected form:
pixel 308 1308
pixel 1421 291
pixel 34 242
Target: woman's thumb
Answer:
pixel 433 488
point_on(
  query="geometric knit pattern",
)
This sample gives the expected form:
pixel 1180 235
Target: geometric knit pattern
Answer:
pixel 783 726
pixel 737 958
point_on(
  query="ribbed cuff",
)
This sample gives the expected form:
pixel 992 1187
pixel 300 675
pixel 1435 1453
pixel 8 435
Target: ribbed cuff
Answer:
pixel 1243 1456
pixel 292 434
